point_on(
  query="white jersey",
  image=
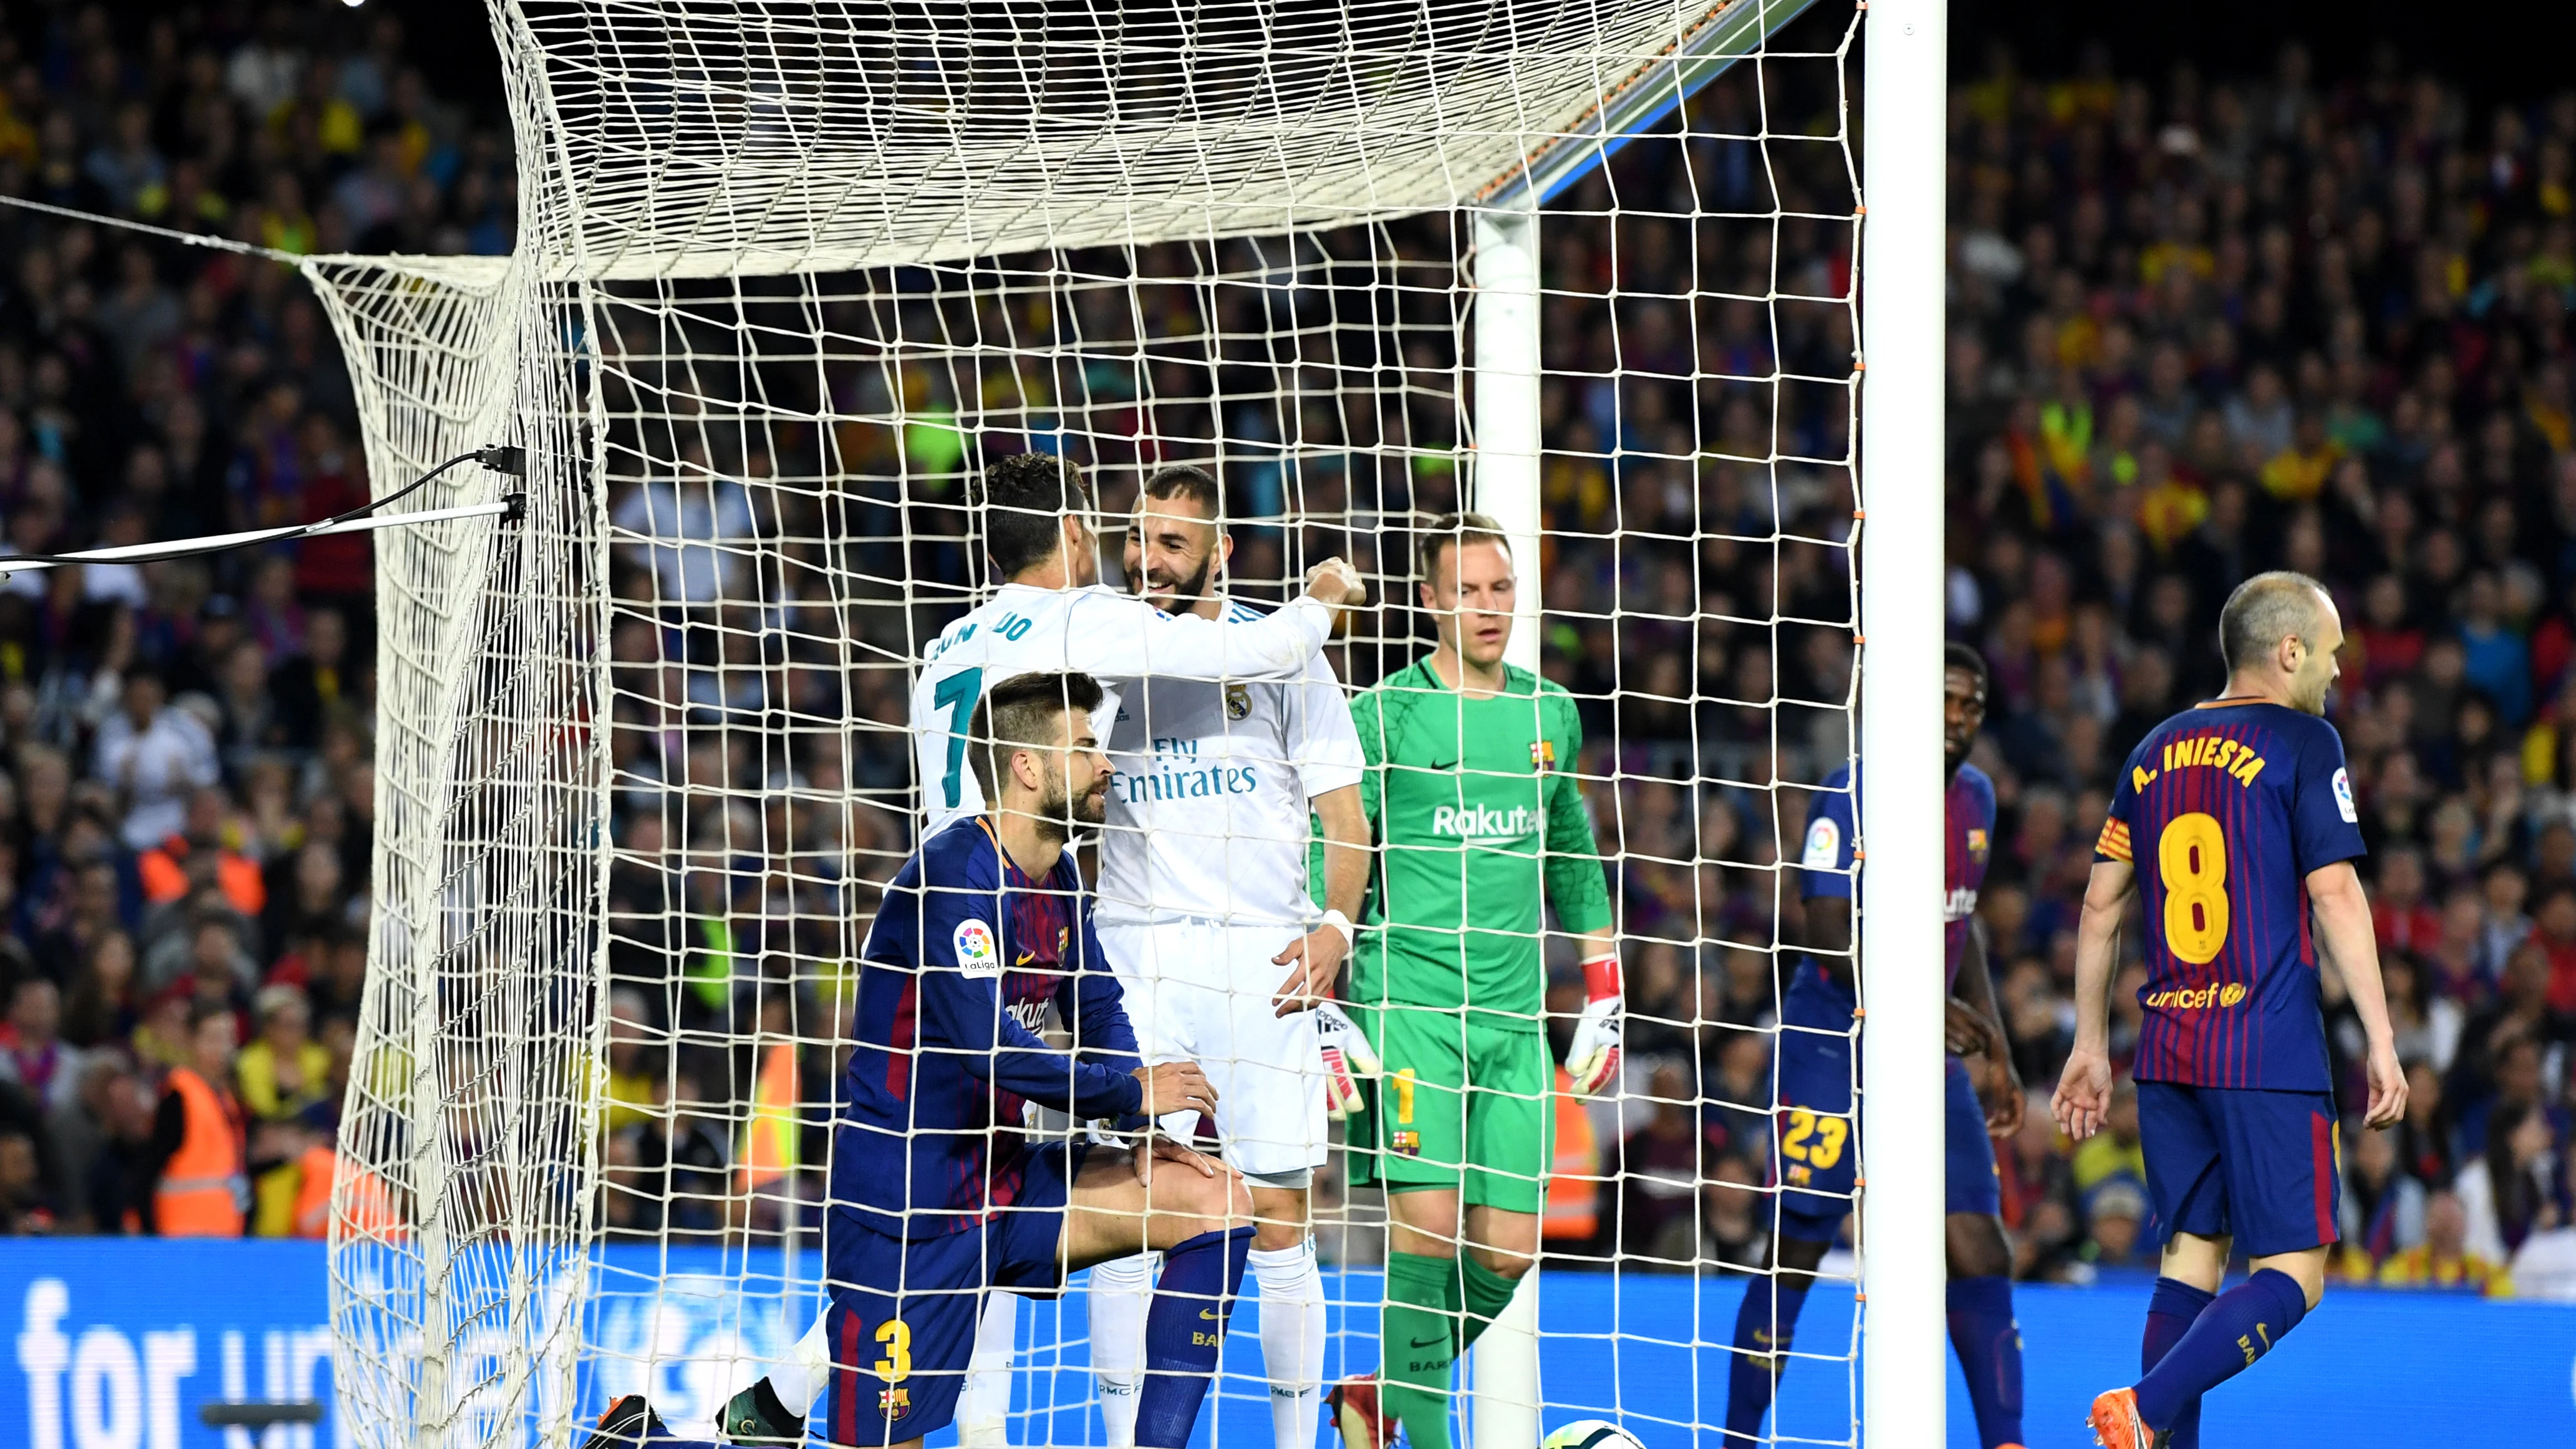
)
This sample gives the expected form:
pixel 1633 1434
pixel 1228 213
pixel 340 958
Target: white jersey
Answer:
pixel 1208 818
pixel 1094 630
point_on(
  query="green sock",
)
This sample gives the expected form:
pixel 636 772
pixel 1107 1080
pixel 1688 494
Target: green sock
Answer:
pixel 1487 1292
pixel 1418 1338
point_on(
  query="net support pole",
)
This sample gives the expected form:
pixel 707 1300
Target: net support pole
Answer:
pixel 1904 1366
pixel 1504 1367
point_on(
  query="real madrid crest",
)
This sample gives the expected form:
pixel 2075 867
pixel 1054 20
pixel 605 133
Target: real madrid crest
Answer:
pixel 1238 702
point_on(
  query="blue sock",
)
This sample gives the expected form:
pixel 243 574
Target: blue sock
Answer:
pixel 1765 1322
pixel 1183 1330
pixel 1989 1347
pixel 2240 1327
pixel 2170 1315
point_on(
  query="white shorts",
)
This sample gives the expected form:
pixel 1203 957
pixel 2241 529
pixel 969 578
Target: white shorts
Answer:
pixel 1201 992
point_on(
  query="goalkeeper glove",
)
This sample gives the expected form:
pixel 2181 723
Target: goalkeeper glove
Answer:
pixel 1346 1058
pixel 1593 1061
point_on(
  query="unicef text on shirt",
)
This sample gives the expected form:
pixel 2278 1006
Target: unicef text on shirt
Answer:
pixel 1483 822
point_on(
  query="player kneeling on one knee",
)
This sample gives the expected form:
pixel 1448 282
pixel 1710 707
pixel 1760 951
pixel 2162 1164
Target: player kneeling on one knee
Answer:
pixel 936 1196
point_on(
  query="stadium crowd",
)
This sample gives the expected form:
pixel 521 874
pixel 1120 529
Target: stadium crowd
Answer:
pixel 2204 329
pixel 185 788
pixel 2200 328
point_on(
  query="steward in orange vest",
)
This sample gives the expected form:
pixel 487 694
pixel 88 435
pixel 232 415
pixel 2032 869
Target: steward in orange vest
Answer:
pixel 201 1190
pixel 369 1208
pixel 1573 1211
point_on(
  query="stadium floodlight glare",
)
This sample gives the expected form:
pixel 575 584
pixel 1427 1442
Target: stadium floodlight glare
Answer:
pixel 786 276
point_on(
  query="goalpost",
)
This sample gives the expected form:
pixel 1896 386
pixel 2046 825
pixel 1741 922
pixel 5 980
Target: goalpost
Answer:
pixel 788 273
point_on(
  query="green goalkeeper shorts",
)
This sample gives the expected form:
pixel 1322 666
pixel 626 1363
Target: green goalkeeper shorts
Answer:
pixel 1455 1105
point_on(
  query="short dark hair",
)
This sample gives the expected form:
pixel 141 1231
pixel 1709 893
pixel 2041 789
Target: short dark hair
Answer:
pixel 1955 655
pixel 1459 530
pixel 1021 499
pixel 1022 711
pixel 2263 611
pixel 1186 480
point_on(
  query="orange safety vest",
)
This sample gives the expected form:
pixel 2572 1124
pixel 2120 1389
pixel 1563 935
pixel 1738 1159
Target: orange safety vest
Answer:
pixel 202 1190
pixel 370 1208
pixel 313 1192
pixel 1573 1169
pixel 165 879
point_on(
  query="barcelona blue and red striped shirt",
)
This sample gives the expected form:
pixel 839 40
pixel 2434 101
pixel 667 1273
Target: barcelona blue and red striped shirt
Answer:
pixel 965 957
pixel 1826 861
pixel 2225 809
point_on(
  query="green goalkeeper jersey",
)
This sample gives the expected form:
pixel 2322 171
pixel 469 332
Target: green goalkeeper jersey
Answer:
pixel 1478 825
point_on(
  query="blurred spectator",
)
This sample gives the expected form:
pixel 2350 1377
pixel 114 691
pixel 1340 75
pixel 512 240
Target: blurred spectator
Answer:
pixel 200 1176
pixel 2113 1218
pixel 154 755
pixel 2517 1186
pixel 2383 1206
pixel 26 1206
pixel 283 1072
pixel 33 1055
pixel 2446 1258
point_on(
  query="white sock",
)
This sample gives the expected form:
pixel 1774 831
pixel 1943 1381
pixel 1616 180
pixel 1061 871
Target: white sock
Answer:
pixel 984 1404
pixel 1292 1339
pixel 1121 1290
pixel 801 1379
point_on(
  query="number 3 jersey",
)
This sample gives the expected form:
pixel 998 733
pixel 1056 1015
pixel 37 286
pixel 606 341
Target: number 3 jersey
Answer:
pixel 2224 810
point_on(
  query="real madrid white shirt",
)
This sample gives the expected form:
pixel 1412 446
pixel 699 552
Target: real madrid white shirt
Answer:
pixel 1208 817
pixel 1095 630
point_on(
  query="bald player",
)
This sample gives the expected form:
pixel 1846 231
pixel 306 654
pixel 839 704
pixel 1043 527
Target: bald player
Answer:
pixel 2241 812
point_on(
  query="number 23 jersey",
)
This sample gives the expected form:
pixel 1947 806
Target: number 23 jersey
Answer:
pixel 2224 810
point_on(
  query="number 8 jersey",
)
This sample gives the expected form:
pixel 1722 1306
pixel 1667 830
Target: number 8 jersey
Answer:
pixel 2224 810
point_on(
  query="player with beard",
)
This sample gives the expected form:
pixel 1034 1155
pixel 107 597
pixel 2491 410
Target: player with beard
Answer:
pixel 1225 956
pixel 1051 613
pixel 936 1193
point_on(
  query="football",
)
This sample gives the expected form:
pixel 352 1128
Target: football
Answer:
pixel 1591 1434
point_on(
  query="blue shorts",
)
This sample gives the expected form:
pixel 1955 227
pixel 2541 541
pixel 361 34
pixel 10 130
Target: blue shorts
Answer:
pixel 2241 1162
pixel 901 1321
pixel 1815 1133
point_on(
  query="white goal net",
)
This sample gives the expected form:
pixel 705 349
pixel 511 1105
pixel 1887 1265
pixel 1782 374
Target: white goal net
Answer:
pixel 790 274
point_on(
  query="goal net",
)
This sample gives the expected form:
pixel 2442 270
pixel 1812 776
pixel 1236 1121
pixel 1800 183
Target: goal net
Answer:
pixel 789 275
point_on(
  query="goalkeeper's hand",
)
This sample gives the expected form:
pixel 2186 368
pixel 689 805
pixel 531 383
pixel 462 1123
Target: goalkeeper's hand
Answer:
pixel 1346 1058
pixel 1593 1061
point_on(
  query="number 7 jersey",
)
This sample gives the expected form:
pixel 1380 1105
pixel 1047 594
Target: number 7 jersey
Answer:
pixel 2224 810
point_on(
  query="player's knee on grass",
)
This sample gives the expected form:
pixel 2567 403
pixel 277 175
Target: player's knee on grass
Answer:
pixel 1976 1246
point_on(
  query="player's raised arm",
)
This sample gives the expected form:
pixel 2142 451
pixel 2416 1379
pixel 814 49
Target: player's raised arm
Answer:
pixel 2342 917
pixel 1119 637
pixel 2084 1089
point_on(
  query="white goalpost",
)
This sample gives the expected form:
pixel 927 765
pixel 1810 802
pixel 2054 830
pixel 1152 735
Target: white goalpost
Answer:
pixel 789 274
